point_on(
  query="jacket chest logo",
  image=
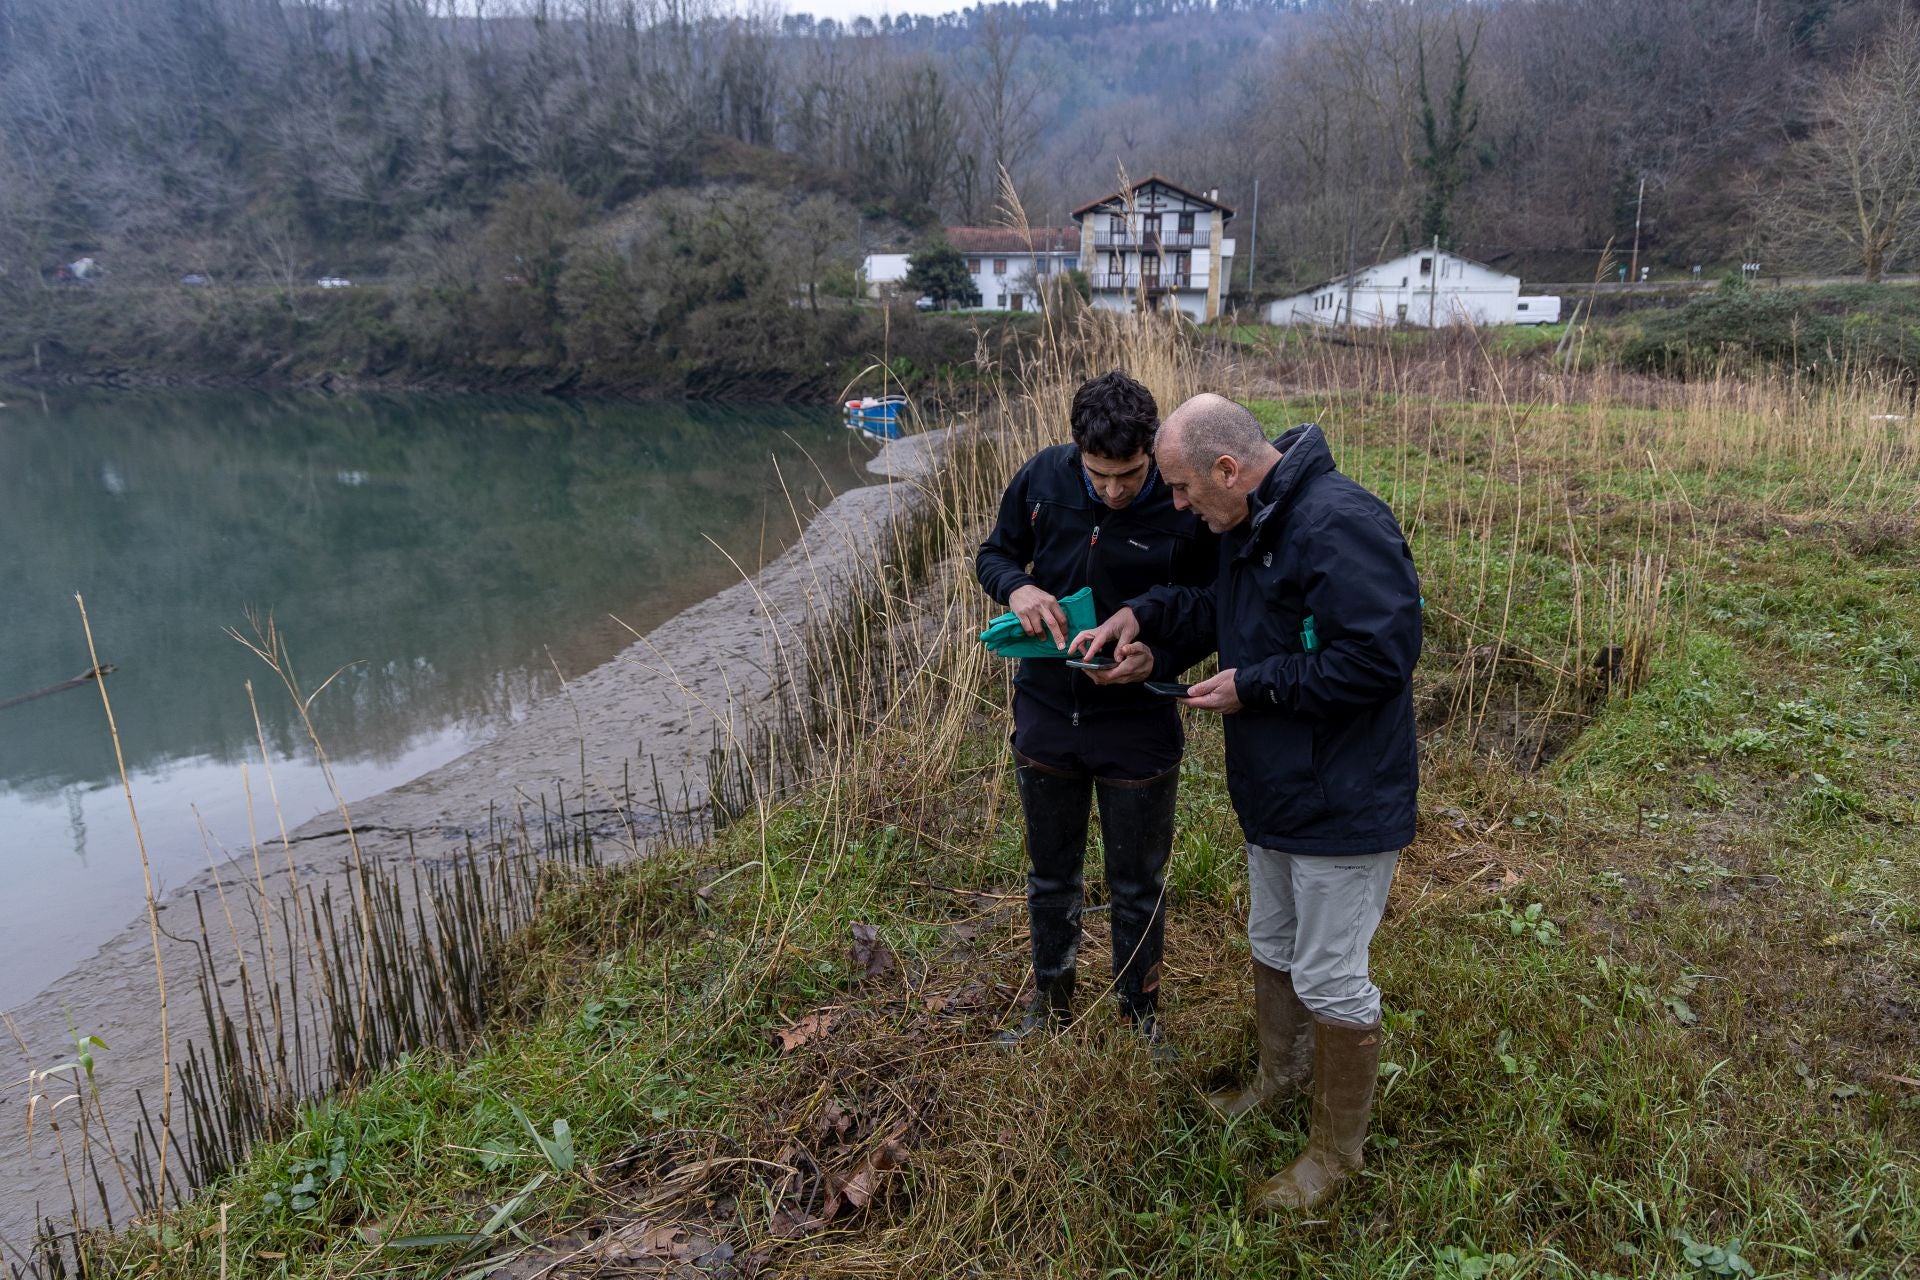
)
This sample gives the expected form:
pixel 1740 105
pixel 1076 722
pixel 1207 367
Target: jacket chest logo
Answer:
pixel 1143 546
pixel 1266 561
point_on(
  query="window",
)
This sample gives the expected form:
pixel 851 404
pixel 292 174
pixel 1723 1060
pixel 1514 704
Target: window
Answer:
pixel 1403 282
pixel 1117 224
pixel 1523 306
pixel 1400 313
pixel 973 266
pixel 1186 224
pixel 1000 301
pixel 999 266
pixel 1426 267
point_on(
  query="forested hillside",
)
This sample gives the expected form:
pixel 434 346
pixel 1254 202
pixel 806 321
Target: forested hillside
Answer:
pixel 272 139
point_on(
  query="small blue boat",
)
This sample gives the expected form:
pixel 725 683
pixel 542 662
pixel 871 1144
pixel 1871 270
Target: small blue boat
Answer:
pixel 878 417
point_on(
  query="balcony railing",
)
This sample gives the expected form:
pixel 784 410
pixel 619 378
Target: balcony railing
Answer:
pixel 1133 280
pixel 1152 241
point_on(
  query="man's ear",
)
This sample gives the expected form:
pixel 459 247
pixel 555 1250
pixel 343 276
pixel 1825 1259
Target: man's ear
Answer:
pixel 1227 468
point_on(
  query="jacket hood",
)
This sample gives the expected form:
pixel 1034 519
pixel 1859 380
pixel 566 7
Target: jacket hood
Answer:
pixel 1303 455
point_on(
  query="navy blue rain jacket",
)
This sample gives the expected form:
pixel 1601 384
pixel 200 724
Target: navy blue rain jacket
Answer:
pixel 1322 757
pixel 1055 534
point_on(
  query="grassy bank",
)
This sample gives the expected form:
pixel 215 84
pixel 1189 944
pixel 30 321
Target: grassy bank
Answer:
pixel 1649 964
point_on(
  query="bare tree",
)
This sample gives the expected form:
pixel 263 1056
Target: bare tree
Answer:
pixel 277 253
pixel 1003 96
pixel 820 232
pixel 1850 190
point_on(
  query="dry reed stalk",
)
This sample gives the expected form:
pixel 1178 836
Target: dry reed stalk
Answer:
pixel 268 647
pixel 153 915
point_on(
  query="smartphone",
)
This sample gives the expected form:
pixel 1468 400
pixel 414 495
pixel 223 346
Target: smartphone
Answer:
pixel 1167 689
pixel 1091 664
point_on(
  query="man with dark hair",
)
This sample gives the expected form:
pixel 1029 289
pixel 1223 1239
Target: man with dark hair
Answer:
pixel 1316 609
pixel 1095 513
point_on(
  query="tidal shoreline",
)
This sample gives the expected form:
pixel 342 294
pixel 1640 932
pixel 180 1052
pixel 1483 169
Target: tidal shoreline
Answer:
pixel 652 712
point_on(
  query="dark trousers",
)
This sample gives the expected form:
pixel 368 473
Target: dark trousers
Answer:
pixel 1132 763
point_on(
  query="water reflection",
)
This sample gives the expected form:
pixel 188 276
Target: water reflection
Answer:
pixel 448 553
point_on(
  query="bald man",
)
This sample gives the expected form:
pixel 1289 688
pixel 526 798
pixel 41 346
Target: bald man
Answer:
pixel 1315 611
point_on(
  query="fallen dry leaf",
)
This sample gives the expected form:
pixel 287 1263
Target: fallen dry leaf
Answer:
pixel 871 956
pixel 967 997
pixel 803 1030
pixel 671 1241
pixel 835 1119
pixel 858 1188
pixel 788 1225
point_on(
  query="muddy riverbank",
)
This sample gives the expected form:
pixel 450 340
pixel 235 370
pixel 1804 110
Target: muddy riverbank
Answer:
pixel 636 728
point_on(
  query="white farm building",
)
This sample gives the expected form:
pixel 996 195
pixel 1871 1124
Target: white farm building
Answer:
pixel 1426 288
pixel 1011 267
pixel 884 273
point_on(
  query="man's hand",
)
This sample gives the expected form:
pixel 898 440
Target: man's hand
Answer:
pixel 1134 664
pixel 1116 634
pixel 1039 612
pixel 1215 693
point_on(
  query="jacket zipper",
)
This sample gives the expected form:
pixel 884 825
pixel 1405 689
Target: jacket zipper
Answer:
pixel 1092 542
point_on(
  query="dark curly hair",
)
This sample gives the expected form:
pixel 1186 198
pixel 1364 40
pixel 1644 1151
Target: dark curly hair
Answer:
pixel 1114 416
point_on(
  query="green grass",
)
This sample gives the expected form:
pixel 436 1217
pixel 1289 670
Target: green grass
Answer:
pixel 1585 1096
pixel 1650 1003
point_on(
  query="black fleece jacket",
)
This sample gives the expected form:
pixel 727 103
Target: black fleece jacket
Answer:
pixel 1055 534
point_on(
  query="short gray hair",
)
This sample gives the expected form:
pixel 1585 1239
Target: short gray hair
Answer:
pixel 1213 427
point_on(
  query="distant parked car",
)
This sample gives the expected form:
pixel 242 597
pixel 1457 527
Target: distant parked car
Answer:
pixel 924 303
pixel 334 282
pixel 195 281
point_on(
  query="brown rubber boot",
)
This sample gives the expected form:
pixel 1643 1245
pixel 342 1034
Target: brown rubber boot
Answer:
pixel 1285 1031
pixel 1346 1063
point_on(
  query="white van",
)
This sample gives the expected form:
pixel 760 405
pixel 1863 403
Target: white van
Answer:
pixel 1539 309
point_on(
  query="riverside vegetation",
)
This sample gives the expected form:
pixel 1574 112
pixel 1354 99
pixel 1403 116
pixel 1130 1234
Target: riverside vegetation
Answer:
pixel 1649 965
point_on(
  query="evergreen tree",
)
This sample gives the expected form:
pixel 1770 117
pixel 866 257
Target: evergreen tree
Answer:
pixel 941 274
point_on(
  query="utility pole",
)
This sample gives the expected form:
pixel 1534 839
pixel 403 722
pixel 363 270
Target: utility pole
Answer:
pixel 1347 306
pixel 1634 273
pixel 1253 238
pixel 1433 293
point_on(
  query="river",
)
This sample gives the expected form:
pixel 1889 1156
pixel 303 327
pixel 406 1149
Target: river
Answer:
pixel 452 559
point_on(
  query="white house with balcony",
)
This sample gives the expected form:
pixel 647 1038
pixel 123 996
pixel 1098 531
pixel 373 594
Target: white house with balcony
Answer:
pixel 1156 245
pixel 1425 288
pixel 1009 266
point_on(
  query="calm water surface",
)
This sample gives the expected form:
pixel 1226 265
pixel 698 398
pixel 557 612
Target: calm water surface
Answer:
pixel 445 555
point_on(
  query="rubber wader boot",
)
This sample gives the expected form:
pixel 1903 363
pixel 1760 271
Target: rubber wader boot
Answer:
pixel 1056 805
pixel 1346 1063
pixel 1284 1029
pixel 1136 822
